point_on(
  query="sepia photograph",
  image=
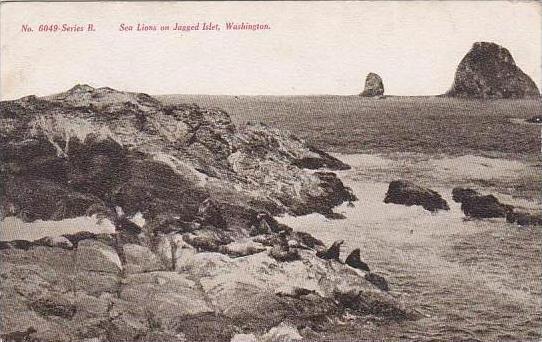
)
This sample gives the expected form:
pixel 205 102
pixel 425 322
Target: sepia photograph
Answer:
pixel 270 171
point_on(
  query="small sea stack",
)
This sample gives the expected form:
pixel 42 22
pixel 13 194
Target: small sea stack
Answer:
pixel 374 87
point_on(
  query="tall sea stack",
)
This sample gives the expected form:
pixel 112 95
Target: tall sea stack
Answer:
pixel 373 86
pixel 488 71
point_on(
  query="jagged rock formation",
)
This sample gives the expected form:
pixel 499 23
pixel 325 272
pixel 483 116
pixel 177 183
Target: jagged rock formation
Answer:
pixel 202 262
pixel 373 86
pixel 488 71
pixel 476 205
pixel 408 193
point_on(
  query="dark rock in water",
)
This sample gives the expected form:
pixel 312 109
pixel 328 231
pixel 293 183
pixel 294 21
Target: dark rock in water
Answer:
pixel 524 219
pixel 354 260
pixel 408 193
pixel 378 281
pixel 478 206
pixel 488 71
pixel 373 86
pixel 535 119
pixel 333 252
pixel 460 194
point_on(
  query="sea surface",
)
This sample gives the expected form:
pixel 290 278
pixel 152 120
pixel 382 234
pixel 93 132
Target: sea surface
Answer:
pixel 470 280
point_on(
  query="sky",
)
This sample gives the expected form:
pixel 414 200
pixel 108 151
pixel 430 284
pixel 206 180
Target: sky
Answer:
pixel 311 48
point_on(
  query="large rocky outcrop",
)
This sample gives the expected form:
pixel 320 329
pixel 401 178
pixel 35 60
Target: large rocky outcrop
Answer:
pixel 488 71
pixel 202 265
pixel 374 86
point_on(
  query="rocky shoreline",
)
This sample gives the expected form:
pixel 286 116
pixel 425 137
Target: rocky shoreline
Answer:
pixel 209 263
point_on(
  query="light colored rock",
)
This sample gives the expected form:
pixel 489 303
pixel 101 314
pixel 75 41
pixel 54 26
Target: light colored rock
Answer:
pixel 282 333
pixel 165 296
pixel 174 252
pixel 92 255
pixel 140 259
pixel 56 241
pixel 242 248
pixel 244 338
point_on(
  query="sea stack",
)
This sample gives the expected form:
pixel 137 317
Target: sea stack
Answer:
pixel 373 86
pixel 488 71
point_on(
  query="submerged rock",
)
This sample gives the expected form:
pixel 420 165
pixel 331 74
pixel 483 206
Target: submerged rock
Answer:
pixel 408 193
pixel 373 86
pixel 524 219
pixel 488 71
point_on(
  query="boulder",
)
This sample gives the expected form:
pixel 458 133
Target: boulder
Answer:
pixel 92 255
pixel 488 71
pixel 139 259
pixel 408 193
pixel 373 86
pixel 282 333
pixel 476 205
pixel 460 194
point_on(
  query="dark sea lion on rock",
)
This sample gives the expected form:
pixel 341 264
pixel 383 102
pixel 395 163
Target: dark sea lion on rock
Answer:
pixel 354 260
pixel 333 252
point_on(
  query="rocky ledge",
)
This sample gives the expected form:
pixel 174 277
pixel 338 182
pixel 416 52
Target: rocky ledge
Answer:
pixel 208 263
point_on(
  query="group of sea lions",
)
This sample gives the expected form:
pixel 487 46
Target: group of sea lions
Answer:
pixel 353 259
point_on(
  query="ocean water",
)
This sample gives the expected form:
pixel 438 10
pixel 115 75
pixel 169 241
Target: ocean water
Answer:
pixel 470 280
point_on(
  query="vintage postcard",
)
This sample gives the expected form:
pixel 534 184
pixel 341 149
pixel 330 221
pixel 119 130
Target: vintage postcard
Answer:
pixel 269 171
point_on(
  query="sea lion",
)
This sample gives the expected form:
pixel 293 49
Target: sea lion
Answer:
pixel 354 260
pixel 333 252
